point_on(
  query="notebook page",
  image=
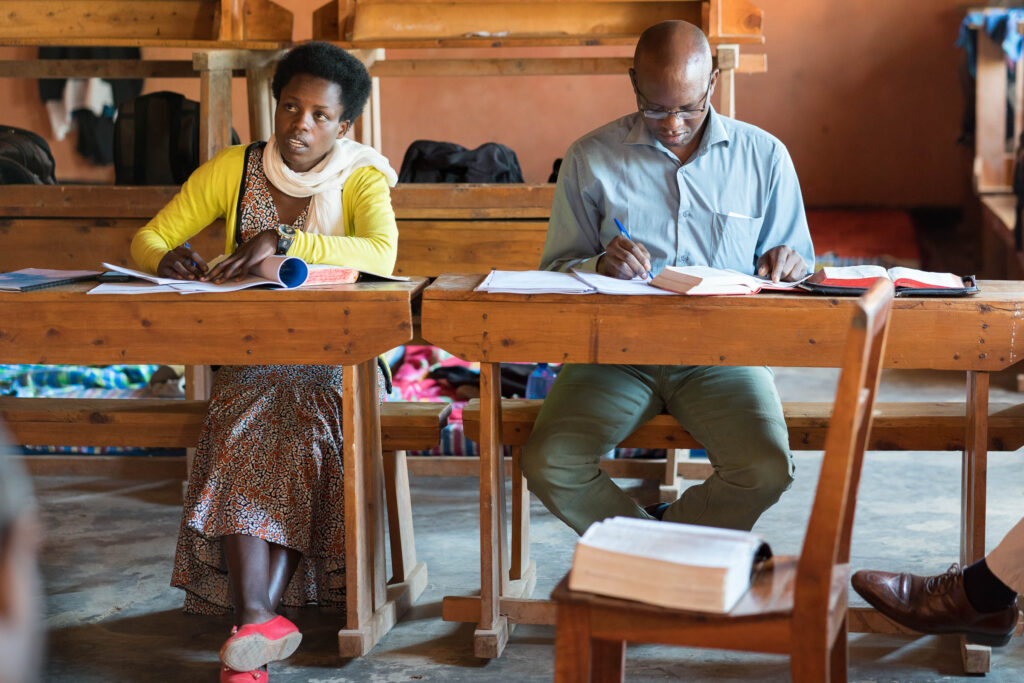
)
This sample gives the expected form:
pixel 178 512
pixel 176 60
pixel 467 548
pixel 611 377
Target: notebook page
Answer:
pixel 532 282
pixel 603 284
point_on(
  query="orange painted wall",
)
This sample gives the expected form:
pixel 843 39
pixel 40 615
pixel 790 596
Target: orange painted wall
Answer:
pixel 865 95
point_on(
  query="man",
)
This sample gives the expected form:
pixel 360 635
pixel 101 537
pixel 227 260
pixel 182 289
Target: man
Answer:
pixel 692 188
pixel 20 609
pixel 978 602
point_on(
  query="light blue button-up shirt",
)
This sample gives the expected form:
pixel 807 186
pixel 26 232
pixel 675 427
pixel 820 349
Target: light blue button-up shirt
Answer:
pixel 733 200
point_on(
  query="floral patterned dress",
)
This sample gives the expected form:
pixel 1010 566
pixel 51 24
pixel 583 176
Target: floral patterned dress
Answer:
pixel 269 461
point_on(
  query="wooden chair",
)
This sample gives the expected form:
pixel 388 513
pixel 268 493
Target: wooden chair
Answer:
pixel 798 606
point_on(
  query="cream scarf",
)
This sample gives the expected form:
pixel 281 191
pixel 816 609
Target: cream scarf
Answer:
pixel 324 181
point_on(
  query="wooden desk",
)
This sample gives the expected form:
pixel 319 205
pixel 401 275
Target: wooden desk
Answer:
pixel 974 334
pixel 345 325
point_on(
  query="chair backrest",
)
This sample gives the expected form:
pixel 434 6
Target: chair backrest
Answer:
pixel 828 532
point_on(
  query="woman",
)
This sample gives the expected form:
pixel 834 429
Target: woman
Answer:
pixel 263 519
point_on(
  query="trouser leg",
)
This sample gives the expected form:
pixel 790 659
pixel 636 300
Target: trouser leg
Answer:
pixel 736 413
pixel 590 409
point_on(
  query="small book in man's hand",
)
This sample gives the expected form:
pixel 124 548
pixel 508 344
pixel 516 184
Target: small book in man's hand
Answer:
pixel 855 280
pixel 682 566
pixel 29 279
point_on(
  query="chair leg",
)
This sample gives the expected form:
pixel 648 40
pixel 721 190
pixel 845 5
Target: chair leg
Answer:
pixel 572 644
pixel 607 661
pixel 810 661
pixel 840 652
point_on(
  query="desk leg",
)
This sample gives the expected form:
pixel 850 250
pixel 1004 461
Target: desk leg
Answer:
pixel 493 629
pixel 972 499
pixel 372 607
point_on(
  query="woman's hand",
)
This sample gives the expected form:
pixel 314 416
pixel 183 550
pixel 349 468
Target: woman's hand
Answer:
pixel 251 253
pixel 182 264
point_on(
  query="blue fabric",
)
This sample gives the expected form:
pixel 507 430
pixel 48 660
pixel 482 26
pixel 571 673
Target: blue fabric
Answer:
pixel 50 380
pixel 737 197
pixel 998 24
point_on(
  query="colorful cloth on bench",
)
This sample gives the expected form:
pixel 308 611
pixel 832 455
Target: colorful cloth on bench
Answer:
pixel 76 381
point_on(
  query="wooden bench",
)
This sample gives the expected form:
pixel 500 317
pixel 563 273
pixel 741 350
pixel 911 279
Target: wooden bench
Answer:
pixel 905 426
pixel 372 26
pixel 169 423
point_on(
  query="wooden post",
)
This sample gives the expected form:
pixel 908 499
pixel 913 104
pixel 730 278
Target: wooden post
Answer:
pixel 403 545
pixel 261 102
pixel 728 60
pixel 990 158
pixel 520 519
pixel 492 631
pixel 973 482
pixel 671 483
pixel 361 438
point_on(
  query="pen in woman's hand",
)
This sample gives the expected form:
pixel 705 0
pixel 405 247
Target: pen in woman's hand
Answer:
pixel 625 233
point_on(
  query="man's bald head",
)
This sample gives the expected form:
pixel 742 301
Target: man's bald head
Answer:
pixel 675 46
pixel 672 73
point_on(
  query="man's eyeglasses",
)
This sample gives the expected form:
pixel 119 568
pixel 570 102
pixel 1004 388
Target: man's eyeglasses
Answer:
pixel 659 114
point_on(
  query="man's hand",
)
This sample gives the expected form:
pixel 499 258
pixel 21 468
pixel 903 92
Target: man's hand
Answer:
pixel 624 259
pixel 182 263
pixel 251 253
pixel 781 264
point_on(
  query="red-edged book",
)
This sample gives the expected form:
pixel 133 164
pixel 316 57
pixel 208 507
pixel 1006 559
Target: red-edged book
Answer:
pixel 908 281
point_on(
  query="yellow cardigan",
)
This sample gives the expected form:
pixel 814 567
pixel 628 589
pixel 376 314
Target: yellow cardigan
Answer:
pixel 370 242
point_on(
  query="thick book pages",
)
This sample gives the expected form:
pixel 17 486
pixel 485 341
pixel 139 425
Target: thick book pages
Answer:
pixel 29 279
pixel 704 280
pixel 856 279
pixel 681 566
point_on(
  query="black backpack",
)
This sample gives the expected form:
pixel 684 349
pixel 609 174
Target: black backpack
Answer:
pixel 156 140
pixel 25 158
pixel 427 161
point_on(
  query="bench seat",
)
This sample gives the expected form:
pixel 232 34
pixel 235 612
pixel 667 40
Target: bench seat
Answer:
pixel 168 423
pixel 909 426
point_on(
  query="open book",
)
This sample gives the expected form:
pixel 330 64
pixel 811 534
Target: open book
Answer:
pixel 856 279
pixel 276 272
pixel 682 566
pixel 704 280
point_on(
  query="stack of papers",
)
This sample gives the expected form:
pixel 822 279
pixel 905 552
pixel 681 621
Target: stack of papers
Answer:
pixel 553 282
pixel 603 284
pixel 533 282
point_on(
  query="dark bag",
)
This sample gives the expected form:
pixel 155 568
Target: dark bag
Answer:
pixel 427 161
pixel 25 158
pixel 156 140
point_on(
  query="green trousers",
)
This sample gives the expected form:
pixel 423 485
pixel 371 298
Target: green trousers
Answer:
pixel 735 412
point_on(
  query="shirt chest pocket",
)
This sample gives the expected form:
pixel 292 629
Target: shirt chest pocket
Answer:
pixel 734 236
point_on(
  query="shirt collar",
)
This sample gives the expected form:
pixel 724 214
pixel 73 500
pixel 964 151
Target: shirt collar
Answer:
pixel 714 133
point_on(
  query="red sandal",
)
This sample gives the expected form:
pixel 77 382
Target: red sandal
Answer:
pixel 231 676
pixel 254 645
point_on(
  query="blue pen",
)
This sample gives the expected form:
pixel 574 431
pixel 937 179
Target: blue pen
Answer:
pixel 189 247
pixel 625 233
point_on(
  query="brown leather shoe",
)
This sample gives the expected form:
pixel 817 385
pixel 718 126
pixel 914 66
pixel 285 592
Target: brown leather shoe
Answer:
pixel 934 604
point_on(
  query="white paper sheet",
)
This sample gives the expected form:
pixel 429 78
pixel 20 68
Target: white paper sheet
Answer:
pixel 130 288
pixel 603 284
pixel 533 282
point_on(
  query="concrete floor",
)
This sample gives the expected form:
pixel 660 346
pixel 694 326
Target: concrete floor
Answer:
pixel 112 617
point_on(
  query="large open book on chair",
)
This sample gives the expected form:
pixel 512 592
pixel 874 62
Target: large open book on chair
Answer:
pixel 682 566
